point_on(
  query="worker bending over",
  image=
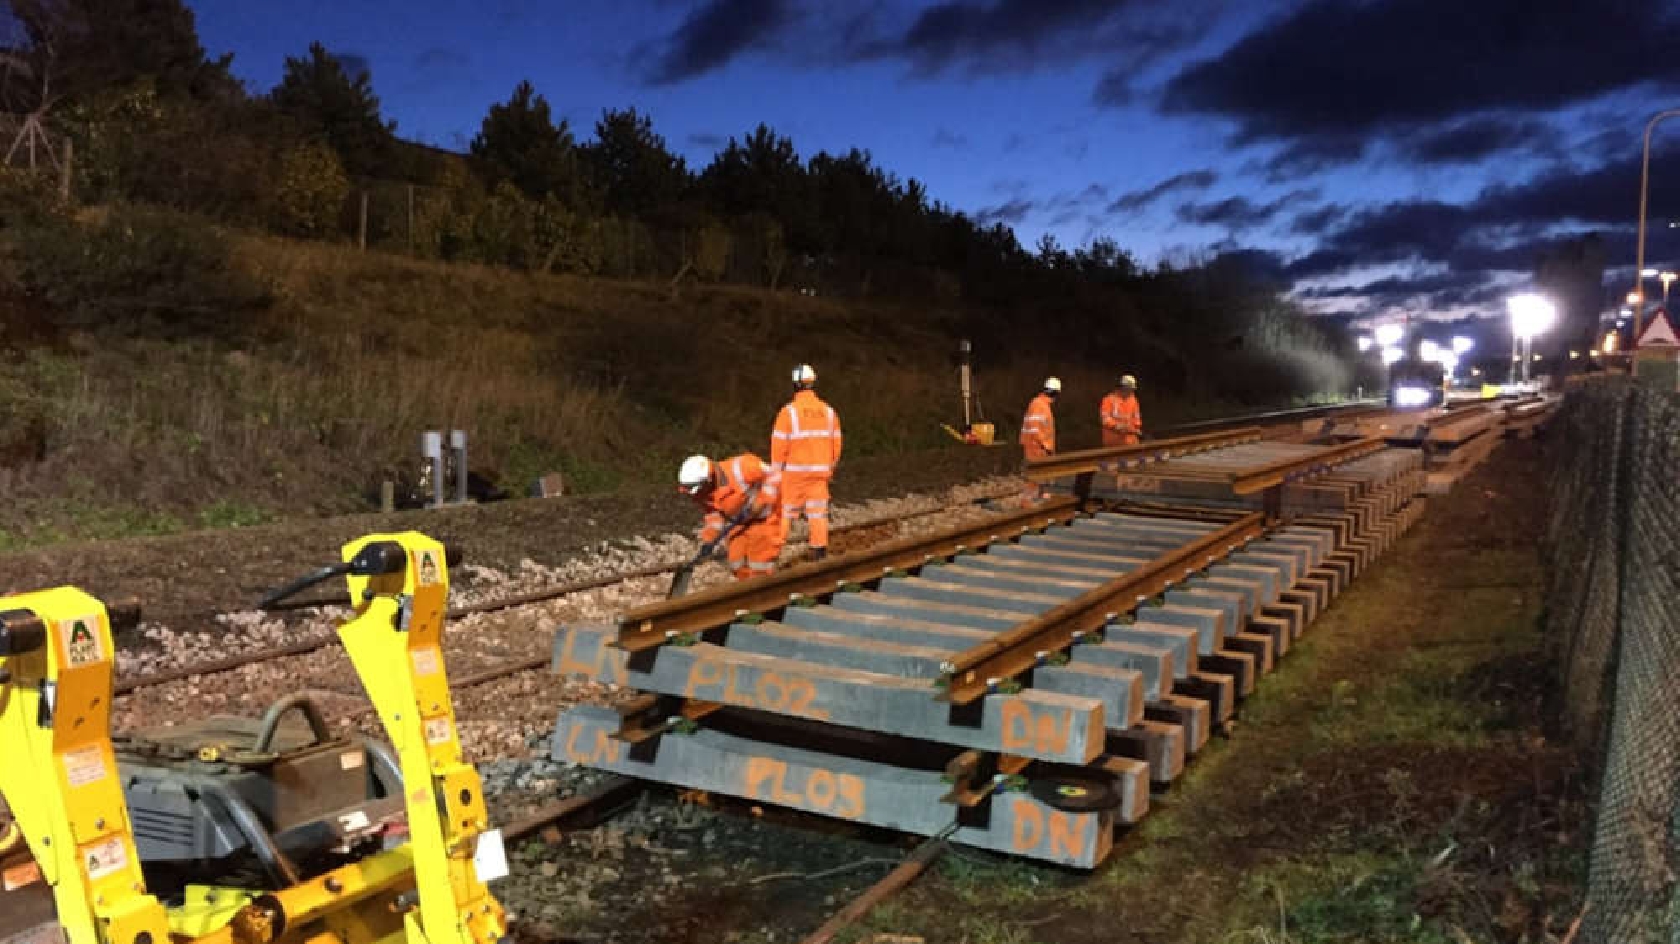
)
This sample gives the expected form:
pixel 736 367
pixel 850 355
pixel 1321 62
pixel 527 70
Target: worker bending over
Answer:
pixel 741 499
pixel 1038 428
pixel 1122 421
pixel 804 450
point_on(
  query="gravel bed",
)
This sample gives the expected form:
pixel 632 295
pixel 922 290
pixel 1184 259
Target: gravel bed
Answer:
pixel 677 866
pixel 498 717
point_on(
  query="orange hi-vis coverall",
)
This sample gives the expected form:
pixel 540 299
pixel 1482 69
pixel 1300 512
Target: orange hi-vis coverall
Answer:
pixel 1122 421
pixel 805 448
pixel 1038 437
pixel 755 543
pixel 1038 428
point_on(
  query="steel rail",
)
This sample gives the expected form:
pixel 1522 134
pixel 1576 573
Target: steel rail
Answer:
pixel 1260 478
pixel 1250 480
pixel 972 674
pixel 1085 461
pixel 655 624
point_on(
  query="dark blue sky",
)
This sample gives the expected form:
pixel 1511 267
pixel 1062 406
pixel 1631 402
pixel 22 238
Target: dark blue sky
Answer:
pixel 1385 155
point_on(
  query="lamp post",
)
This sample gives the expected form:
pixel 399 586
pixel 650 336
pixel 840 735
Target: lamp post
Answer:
pixel 1644 191
pixel 1530 315
pixel 1667 279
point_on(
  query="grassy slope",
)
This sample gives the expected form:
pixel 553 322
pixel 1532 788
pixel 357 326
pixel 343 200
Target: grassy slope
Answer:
pixel 1393 783
pixel 322 394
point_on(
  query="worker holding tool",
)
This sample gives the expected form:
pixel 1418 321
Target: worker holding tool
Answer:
pixel 1122 421
pixel 1038 428
pixel 804 450
pixel 743 511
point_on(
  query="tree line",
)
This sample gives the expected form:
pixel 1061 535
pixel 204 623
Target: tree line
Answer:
pixel 156 120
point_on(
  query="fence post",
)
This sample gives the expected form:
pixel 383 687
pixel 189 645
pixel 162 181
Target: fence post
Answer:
pixel 64 172
pixel 431 447
pixel 361 224
pixel 458 445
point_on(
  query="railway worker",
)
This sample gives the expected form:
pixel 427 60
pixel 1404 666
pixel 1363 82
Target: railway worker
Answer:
pixel 741 500
pixel 1038 428
pixel 804 451
pixel 1122 421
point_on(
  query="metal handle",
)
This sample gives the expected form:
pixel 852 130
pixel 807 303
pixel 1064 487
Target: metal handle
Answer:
pixel 278 710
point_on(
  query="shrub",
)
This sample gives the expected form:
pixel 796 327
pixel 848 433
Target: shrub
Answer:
pixel 311 190
pixel 135 270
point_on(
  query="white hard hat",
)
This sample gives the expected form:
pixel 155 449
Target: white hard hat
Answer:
pixel 1128 381
pixel 804 374
pixel 695 472
pixel 1053 384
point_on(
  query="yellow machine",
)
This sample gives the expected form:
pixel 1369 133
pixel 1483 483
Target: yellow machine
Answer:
pixel 65 788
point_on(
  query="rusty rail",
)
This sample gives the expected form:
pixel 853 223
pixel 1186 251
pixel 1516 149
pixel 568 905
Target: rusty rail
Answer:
pixel 1260 478
pixel 1086 461
pixel 980 670
pixel 649 626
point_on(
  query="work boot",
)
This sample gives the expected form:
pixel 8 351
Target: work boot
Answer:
pixel 819 553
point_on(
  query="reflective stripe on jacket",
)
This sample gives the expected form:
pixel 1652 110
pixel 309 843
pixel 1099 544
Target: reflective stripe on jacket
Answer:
pixel 807 437
pixel 1121 414
pixel 745 478
pixel 1039 425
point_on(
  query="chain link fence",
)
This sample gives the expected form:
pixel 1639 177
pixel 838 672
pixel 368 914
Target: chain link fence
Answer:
pixel 1613 607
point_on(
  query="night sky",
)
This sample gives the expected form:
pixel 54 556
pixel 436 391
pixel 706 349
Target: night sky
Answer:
pixel 1382 156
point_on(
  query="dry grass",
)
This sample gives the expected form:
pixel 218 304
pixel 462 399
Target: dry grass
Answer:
pixel 331 387
pixel 326 391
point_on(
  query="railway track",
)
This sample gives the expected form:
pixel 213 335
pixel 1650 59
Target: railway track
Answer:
pixel 1067 647
pixel 127 613
pixel 1263 535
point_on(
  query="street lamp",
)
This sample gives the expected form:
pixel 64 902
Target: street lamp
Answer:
pixel 1364 341
pixel 1644 191
pixel 1530 315
pixel 1667 279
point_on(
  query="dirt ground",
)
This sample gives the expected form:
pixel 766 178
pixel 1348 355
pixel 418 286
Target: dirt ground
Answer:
pixel 1395 781
pixel 190 573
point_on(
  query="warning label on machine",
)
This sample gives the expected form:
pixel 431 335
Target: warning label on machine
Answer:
pixel 81 641
pixel 100 859
pixel 84 765
pixel 426 661
pixel 429 576
pixel 438 730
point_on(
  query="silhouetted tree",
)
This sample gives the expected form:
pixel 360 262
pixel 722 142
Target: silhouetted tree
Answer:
pixel 77 48
pixel 326 99
pixel 636 174
pixel 520 143
pixel 762 175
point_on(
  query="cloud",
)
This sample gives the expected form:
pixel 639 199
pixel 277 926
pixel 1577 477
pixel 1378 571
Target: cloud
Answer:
pixel 1340 72
pixel 1501 226
pixel 986 37
pixel 1474 139
pixel 951 32
pixel 1009 214
pixel 1315 221
pixel 712 35
pixel 1136 200
pixel 707 140
pixel 1241 212
pixel 946 138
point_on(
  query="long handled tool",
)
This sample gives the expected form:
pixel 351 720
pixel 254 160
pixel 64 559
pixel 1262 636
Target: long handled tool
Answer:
pixel 685 574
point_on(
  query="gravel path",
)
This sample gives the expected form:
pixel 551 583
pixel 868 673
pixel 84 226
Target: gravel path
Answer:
pixel 206 571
